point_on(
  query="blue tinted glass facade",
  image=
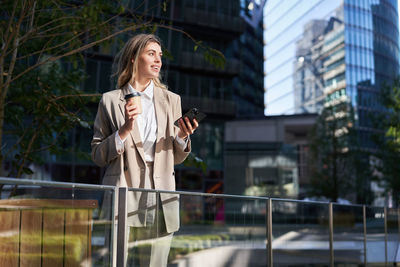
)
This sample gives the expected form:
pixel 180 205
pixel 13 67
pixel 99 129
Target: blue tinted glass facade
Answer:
pixel 291 34
pixel 372 55
pixel 320 52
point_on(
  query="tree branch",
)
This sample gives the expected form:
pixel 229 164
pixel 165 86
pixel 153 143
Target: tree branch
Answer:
pixel 52 144
pixel 14 55
pixel 76 36
pixel 26 153
pixel 77 95
pixel 9 27
pixel 5 44
pixel 74 51
pixel 37 29
pixel 33 16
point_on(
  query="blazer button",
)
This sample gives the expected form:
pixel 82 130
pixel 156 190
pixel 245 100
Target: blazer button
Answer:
pixel 125 168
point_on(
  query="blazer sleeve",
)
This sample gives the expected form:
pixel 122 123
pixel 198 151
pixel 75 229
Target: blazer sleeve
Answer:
pixel 179 154
pixel 103 145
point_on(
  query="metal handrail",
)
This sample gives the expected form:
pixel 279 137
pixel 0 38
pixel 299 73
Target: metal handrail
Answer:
pixel 5 180
pixel 197 194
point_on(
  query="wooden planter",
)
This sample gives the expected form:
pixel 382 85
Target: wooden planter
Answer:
pixel 45 232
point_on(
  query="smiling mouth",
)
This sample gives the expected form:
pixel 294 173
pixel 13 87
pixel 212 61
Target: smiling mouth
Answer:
pixel 156 68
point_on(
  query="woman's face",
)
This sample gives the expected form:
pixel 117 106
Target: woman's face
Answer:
pixel 149 62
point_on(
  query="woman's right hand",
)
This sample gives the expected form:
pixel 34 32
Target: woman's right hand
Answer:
pixel 131 113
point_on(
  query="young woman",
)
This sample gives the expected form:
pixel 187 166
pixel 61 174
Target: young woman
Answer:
pixel 139 146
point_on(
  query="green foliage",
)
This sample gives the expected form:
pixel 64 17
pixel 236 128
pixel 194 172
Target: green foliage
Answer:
pixel 388 140
pixel 42 107
pixel 193 161
pixel 214 57
pixel 41 71
pixel 336 160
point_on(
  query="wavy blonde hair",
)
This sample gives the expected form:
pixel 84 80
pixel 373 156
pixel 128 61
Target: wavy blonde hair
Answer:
pixel 125 70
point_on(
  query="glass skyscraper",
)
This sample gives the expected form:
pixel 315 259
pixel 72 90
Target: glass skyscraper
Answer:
pixel 323 52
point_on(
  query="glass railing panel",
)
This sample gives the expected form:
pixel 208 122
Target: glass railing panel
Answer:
pixel 348 235
pixel 55 223
pixel 220 231
pixel 300 233
pixel 393 236
pixel 145 227
pixel 375 224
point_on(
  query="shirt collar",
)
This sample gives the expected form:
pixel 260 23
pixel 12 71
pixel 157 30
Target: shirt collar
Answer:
pixel 148 92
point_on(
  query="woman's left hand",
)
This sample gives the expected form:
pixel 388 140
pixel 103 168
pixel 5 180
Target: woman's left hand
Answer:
pixel 186 128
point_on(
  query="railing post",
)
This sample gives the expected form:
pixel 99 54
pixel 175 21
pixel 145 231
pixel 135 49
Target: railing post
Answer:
pixel 122 230
pixel 157 213
pixel 269 233
pixel 398 231
pixel 365 233
pixel 112 242
pixel 331 255
pixel 386 235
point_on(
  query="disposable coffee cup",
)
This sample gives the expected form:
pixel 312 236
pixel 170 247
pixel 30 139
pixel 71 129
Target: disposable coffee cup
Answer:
pixel 134 97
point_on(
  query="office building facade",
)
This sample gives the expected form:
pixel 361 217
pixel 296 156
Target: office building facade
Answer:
pixel 329 52
pixel 334 55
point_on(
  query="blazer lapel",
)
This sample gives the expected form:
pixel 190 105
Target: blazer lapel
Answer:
pixel 161 113
pixel 135 135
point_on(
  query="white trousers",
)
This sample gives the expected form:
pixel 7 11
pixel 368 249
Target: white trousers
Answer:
pixel 150 245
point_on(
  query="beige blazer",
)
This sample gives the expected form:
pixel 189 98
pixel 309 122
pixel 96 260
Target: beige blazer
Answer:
pixel 128 169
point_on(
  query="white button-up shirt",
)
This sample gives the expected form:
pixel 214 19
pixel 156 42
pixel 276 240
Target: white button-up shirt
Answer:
pixel 147 124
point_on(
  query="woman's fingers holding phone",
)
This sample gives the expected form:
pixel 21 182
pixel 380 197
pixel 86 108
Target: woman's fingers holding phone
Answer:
pixel 186 128
pixel 191 125
pixel 195 124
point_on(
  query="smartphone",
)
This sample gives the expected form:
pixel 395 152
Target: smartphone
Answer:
pixel 193 113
